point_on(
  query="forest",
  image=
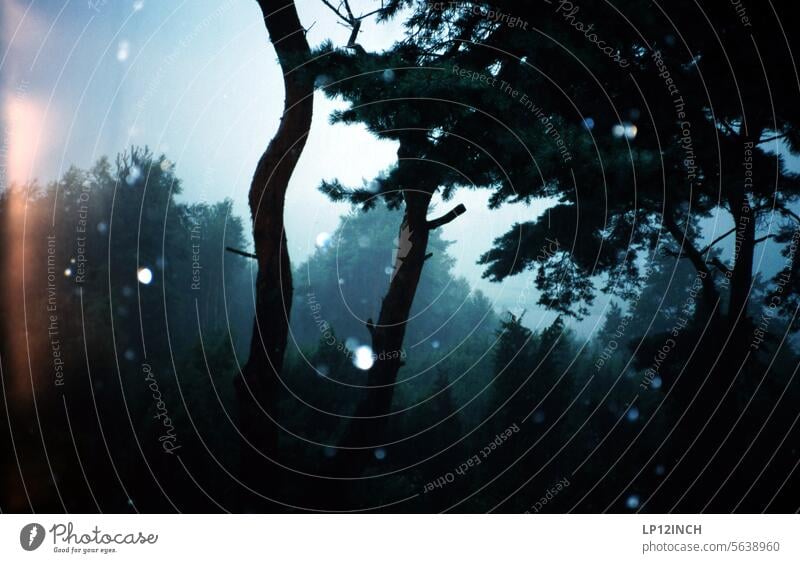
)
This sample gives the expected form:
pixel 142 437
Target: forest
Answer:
pixel 163 352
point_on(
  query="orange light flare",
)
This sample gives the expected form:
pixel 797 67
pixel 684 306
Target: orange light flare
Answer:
pixel 23 117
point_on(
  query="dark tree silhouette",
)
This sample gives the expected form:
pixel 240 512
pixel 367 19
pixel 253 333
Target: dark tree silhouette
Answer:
pixel 258 385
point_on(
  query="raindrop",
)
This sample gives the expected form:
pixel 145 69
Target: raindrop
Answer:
pixel 633 414
pixel 138 5
pixel 538 417
pixel 380 453
pixel 102 227
pixel 123 51
pixel 588 123
pixel 129 355
pixel 362 358
pixel 435 344
pixel 657 382
pixel 68 272
pixel 145 275
pixel 632 502
pixel 627 130
pixel 322 240
pixel 134 174
pixel 388 75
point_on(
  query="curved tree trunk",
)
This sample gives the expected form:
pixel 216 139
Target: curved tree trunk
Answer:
pixel 257 388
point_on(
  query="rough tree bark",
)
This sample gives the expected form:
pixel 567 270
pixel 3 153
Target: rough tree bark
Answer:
pixel 257 387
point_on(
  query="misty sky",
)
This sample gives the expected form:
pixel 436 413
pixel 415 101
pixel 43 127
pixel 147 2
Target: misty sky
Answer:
pixel 198 81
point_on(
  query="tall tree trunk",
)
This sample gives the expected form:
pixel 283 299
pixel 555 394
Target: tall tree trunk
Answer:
pixel 257 388
pixel 744 251
pixel 389 332
pixel 368 429
pixel 741 275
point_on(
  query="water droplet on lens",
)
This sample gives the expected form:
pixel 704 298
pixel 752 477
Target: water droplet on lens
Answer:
pixel 322 240
pixel 363 358
pixel 144 275
pixel 123 50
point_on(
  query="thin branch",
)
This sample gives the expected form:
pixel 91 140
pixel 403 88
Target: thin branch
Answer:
pixel 372 13
pixel 719 265
pixel 337 12
pixel 716 240
pixel 349 11
pixel 241 252
pixel 446 218
pixel 685 244
pixel 728 128
pixel 765 237
pixel 775 138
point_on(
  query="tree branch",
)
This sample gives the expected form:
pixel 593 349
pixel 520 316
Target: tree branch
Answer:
pixel 719 265
pixel 728 128
pixel 351 21
pixel 765 237
pixel 716 240
pixel 337 12
pixel 444 219
pixel 351 42
pixel 775 138
pixel 685 244
pixel 788 212
pixel 241 252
